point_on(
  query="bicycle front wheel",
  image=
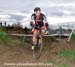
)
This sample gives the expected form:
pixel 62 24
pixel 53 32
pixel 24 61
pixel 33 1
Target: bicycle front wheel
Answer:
pixel 37 50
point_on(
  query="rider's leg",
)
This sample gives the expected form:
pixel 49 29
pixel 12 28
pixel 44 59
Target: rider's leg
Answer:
pixel 34 37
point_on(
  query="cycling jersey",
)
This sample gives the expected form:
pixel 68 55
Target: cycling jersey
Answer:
pixel 40 19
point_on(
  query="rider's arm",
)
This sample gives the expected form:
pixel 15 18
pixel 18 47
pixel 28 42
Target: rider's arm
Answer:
pixel 46 24
pixel 45 21
pixel 31 21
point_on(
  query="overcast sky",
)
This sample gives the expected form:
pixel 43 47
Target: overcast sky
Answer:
pixel 57 11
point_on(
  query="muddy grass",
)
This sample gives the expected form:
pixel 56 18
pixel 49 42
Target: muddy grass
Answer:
pixel 19 51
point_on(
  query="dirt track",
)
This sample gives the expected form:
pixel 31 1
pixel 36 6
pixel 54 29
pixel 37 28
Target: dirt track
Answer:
pixel 19 52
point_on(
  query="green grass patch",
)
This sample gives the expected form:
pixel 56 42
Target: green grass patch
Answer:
pixel 61 65
pixel 70 54
pixel 4 38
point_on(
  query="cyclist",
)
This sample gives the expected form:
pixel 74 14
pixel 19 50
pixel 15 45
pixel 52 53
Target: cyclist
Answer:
pixel 38 19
